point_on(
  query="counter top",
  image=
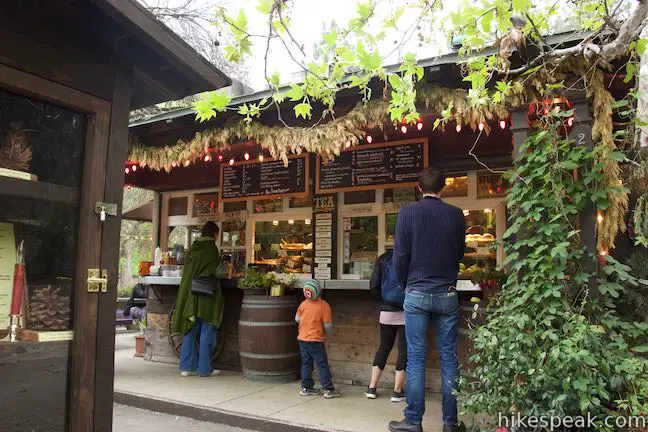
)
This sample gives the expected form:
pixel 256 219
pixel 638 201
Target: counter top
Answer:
pixel 160 280
pixel 344 284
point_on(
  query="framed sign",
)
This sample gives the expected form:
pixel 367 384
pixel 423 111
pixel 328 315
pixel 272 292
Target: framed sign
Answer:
pixel 373 166
pixel 262 180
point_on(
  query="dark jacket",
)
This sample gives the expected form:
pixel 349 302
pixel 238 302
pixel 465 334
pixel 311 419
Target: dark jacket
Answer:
pixel 430 236
pixel 376 281
pixel 139 292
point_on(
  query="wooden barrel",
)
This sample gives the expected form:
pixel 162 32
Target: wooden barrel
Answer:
pixel 268 339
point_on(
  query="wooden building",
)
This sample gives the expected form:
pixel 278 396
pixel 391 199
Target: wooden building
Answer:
pixel 70 72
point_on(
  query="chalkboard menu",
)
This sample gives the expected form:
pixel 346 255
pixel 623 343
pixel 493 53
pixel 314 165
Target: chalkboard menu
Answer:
pixel 384 165
pixel 261 180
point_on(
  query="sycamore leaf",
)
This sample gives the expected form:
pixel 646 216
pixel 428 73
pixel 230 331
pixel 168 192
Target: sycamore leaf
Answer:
pixel 331 37
pixel 630 69
pixel 241 21
pixel 641 46
pixel 295 93
pixel 395 81
pixel 275 78
pixel 264 6
pixel 232 54
pixel 243 109
pixel 371 62
pixel 486 21
pixel 204 110
pixel 218 100
pixel 303 110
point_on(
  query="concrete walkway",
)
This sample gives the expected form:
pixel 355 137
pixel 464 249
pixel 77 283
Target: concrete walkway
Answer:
pixel 228 393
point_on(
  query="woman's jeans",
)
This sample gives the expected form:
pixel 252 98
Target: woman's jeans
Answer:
pixel 441 309
pixel 190 359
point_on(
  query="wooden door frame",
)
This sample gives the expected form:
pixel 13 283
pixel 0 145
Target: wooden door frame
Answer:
pixel 82 388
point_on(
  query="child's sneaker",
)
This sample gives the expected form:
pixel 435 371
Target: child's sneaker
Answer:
pixel 370 393
pixel 215 372
pixel 398 396
pixel 331 393
pixel 309 392
pixel 188 373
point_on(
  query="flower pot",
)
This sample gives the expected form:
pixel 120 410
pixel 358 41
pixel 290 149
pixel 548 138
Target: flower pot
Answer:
pixel 277 290
pixel 140 345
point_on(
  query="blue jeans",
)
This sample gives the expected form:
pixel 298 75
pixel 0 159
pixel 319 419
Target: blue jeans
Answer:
pixel 314 351
pixel 442 310
pixel 192 360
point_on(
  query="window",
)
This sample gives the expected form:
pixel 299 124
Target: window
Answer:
pixel 205 204
pixel 237 258
pixel 360 245
pixel 234 206
pixel 233 233
pixel 360 197
pixel 455 187
pixel 491 185
pixel 268 206
pixel 284 246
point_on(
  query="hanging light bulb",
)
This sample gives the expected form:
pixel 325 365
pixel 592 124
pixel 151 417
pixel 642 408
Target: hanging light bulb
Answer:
pixel 134 168
pixel 246 156
pixel 127 170
pixel 570 121
pixel 231 161
pixel 502 124
pixel 458 128
pixel 369 139
pixel 481 126
pixel 347 144
pixel 404 129
pixel 599 218
pixel 261 158
pixel 419 125
pixel 603 253
pixel 207 158
pixel 220 158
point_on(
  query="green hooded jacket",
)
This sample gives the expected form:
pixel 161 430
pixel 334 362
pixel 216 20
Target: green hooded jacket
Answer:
pixel 202 260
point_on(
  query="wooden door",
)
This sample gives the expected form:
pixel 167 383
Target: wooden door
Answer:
pixel 61 384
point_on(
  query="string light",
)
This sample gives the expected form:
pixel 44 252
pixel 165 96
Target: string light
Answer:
pixel 458 128
pixel 419 125
pixel 502 124
pixel 404 129
pixel 261 158
pixel 127 170
pixel 369 139
pixel 246 156
pixel 599 218
pixel 275 222
pixel 570 121
pixel 207 158
pixel 347 144
pixel 307 221
pixel 134 168
pixel 481 126
pixel 603 253
pixel 231 161
pixel 220 158
pixel 291 222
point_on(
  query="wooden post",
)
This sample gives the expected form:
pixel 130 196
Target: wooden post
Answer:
pixel 520 130
pixel 582 133
pixel 155 222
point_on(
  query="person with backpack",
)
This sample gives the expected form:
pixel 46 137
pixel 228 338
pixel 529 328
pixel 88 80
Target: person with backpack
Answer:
pixel 392 323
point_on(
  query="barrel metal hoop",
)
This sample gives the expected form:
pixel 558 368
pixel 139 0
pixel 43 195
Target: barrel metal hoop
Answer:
pixel 267 324
pixel 267 356
pixel 280 373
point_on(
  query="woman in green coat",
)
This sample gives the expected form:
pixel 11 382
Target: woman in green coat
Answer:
pixel 198 316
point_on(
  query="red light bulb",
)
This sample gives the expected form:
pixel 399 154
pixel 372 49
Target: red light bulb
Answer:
pixel 127 170
pixel 247 156
pixel 220 158
pixel 419 125
pixel 481 126
pixel 134 168
pixel 231 161
pixel 207 158
pixel 369 139
pixel 570 121
pixel 404 129
pixel 502 124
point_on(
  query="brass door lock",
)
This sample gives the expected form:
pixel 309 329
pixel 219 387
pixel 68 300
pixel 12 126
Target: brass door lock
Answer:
pixel 97 280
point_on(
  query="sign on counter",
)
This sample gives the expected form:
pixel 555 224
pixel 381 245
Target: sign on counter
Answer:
pixel 372 166
pixel 262 180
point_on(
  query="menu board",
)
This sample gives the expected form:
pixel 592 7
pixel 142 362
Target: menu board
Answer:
pixel 267 179
pixel 373 166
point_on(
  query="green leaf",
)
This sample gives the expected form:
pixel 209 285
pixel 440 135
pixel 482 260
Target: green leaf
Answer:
pixel 630 69
pixel 395 81
pixel 331 37
pixel 640 349
pixel 218 100
pixel 532 70
pixel 295 93
pixel 618 156
pixel 264 6
pixel 275 79
pixel 371 62
pixel 303 110
pixel 641 46
pixel 486 21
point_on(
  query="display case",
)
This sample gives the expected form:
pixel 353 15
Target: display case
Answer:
pixel 480 247
pixel 284 246
pixel 360 246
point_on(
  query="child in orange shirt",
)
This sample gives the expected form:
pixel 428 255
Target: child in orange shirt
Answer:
pixel 315 318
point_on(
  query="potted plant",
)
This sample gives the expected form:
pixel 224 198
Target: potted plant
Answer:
pixel 140 341
pixel 255 283
pixel 280 282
